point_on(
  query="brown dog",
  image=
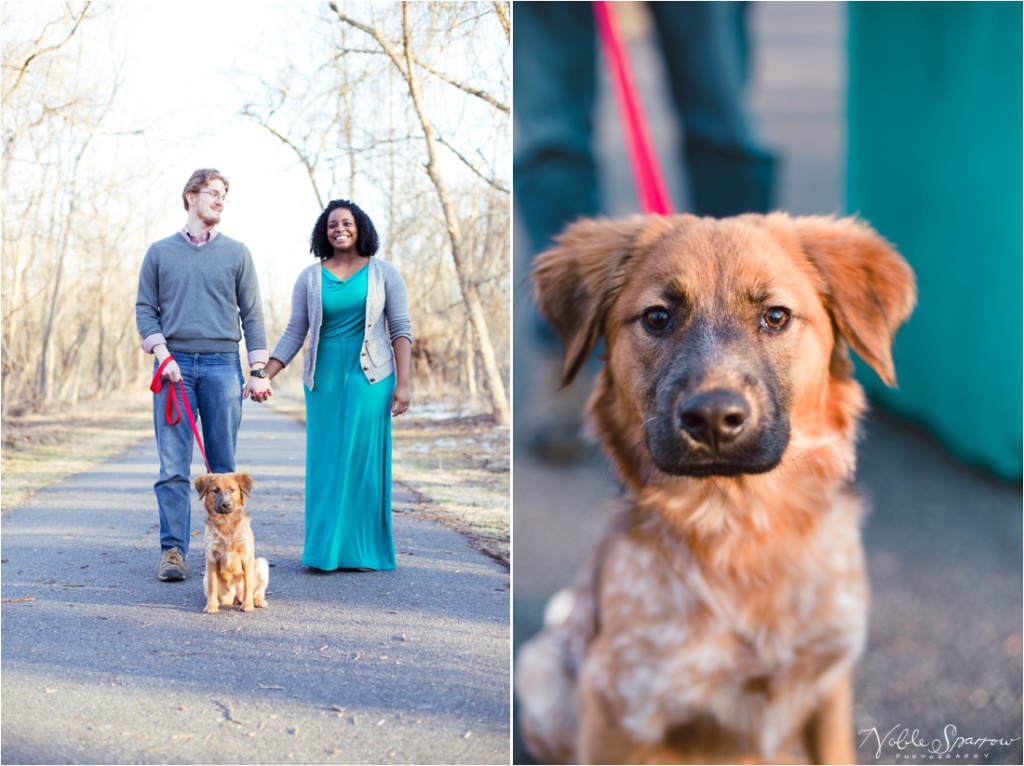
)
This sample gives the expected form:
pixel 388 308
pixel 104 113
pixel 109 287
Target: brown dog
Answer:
pixel 720 617
pixel 233 573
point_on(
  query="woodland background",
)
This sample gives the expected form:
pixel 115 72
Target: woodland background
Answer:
pixel 401 107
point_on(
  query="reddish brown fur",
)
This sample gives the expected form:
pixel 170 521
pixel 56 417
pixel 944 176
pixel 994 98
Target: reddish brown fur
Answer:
pixel 720 617
pixel 233 573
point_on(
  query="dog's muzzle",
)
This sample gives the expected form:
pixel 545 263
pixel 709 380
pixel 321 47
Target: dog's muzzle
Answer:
pixel 716 432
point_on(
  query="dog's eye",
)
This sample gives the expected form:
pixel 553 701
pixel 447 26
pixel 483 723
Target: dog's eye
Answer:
pixel 657 318
pixel 776 318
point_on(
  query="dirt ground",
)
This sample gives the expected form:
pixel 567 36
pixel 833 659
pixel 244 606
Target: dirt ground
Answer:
pixel 456 465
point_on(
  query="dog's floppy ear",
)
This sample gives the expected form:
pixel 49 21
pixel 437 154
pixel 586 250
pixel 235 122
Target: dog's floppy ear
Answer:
pixel 576 280
pixel 244 483
pixel 869 289
pixel 202 484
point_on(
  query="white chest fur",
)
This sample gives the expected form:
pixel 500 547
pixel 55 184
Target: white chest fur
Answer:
pixel 679 642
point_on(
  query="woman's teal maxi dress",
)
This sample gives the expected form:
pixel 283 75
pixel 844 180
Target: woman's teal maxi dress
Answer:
pixel 348 441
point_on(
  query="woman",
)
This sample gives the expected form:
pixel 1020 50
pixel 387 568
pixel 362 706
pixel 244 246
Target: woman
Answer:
pixel 356 376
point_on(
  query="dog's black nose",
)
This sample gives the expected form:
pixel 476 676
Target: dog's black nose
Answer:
pixel 714 418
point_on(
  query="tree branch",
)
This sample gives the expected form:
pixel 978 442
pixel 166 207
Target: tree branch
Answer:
pixel 465 161
pixel 501 10
pixel 49 49
pixel 308 163
pixel 393 55
pixel 373 32
pixel 471 91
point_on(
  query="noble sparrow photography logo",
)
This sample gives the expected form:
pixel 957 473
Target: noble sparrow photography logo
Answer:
pixel 911 745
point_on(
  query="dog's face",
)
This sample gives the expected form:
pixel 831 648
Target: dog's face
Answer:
pixel 718 338
pixel 722 336
pixel 223 493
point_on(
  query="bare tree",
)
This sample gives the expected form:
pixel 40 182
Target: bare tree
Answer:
pixel 60 242
pixel 345 109
pixel 403 58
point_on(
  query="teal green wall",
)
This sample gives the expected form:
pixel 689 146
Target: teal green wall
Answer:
pixel 935 137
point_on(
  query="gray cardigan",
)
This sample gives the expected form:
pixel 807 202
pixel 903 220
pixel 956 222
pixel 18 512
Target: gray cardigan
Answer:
pixel 386 299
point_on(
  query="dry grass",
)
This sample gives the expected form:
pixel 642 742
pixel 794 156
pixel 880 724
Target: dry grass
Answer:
pixel 459 468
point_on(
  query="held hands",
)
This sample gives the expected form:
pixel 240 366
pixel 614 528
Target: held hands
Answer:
pixel 400 400
pixel 257 389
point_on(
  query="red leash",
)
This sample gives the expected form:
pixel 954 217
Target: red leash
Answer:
pixel 646 172
pixel 173 412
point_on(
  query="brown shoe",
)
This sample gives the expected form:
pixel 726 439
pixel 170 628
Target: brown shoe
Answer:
pixel 172 566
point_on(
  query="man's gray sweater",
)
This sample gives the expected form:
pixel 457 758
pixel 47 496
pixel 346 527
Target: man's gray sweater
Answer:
pixel 199 299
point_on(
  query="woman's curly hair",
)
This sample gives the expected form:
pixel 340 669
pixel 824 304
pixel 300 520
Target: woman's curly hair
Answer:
pixel 367 241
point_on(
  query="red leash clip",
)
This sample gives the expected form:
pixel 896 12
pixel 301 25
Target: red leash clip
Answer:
pixel 173 411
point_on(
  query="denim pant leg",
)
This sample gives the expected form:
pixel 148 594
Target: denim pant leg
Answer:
pixel 219 385
pixel 555 69
pixel 174 447
pixel 705 47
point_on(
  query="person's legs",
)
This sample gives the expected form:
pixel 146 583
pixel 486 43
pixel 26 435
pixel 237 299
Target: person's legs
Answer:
pixel 174 447
pixel 554 64
pixel 219 385
pixel 705 47
pixel 555 70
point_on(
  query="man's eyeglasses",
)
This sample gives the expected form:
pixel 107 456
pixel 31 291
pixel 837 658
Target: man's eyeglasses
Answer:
pixel 217 196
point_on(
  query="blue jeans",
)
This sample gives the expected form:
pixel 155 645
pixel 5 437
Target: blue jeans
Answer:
pixel 213 384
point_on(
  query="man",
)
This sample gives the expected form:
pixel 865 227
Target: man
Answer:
pixel 197 293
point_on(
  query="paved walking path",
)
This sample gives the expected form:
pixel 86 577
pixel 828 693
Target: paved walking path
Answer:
pixel 102 663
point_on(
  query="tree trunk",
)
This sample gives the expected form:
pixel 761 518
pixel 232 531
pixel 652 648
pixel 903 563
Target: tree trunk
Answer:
pixel 470 296
pixel 43 389
pixel 404 62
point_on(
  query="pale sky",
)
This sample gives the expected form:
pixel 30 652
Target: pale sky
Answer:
pixel 183 66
